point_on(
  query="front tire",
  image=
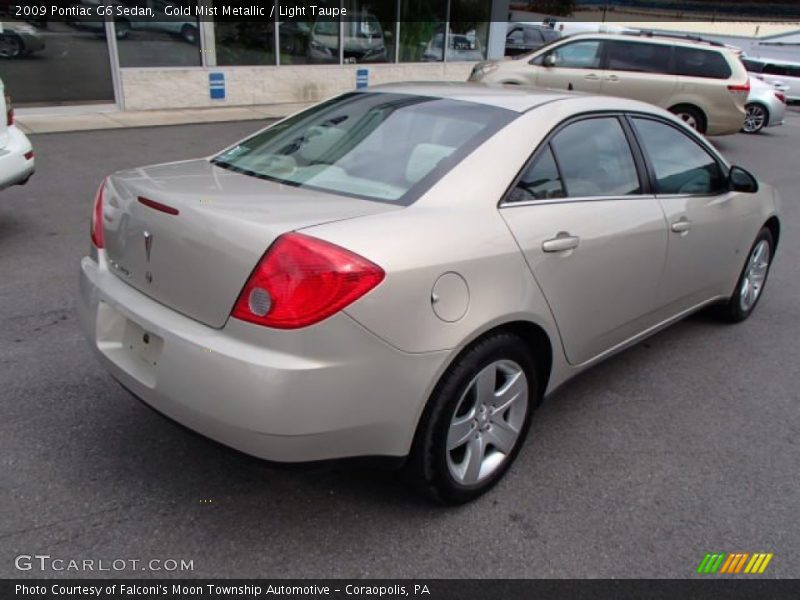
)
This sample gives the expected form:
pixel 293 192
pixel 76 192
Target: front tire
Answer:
pixel 752 280
pixel 476 420
pixel 756 118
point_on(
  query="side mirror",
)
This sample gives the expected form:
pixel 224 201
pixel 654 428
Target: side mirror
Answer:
pixel 549 60
pixel 740 180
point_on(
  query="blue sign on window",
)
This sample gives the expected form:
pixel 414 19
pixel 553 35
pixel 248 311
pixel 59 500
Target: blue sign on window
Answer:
pixel 362 78
pixel 216 86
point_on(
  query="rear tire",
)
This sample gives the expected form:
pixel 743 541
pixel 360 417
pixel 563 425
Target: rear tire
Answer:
pixel 753 279
pixel 756 118
pixel 11 46
pixel 476 420
pixel 690 115
pixel 189 34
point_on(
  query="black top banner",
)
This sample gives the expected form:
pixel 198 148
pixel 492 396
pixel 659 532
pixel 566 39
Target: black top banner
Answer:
pixel 361 10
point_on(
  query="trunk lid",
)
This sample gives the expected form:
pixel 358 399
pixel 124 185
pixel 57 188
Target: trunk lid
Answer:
pixel 197 261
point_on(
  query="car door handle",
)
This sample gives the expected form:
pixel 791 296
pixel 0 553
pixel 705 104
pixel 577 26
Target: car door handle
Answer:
pixel 612 78
pixel 592 77
pixel 681 226
pixel 560 243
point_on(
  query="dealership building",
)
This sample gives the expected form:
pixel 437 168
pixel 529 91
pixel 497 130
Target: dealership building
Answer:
pixel 177 60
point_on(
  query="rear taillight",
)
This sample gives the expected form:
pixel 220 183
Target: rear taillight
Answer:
pixel 97 217
pixel 9 111
pixel 781 96
pixel 302 280
pixel 745 87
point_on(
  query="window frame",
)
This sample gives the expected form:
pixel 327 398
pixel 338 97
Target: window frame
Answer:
pixel 722 164
pixel 640 163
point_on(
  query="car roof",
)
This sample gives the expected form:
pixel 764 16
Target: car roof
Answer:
pixel 518 99
pixel 648 36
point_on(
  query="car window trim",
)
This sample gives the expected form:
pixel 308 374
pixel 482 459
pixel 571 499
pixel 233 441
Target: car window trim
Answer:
pixel 644 179
pixel 705 146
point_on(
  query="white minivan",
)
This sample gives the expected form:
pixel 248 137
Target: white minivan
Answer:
pixel 16 153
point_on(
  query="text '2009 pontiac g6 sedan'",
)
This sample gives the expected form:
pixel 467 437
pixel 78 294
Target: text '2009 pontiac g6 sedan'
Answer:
pixel 407 271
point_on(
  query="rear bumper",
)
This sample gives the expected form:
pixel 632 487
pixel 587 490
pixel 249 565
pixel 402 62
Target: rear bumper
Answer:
pixel 332 390
pixel 14 166
pixel 725 120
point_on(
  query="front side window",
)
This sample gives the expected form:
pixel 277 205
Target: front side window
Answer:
pixel 579 55
pixel 639 57
pixel 377 146
pixel 681 165
pixel 697 62
pixel 540 181
pixel 596 159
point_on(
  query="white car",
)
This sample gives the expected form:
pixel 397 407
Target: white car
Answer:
pixel 16 152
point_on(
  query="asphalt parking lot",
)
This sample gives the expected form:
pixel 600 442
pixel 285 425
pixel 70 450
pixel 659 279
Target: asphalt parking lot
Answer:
pixel 686 444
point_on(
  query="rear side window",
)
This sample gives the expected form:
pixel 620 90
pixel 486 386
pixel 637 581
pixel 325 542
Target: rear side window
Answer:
pixel 638 56
pixel 698 62
pixel 681 165
pixel 775 70
pixel 540 181
pixel 595 159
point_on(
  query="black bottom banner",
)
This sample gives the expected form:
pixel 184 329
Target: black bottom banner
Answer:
pixel 434 589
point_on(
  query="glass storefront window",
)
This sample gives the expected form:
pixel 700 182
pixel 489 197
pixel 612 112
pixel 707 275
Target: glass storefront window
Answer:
pixel 250 42
pixel 422 32
pixel 310 42
pixel 469 29
pixel 369 31
pixel 49 62
pixel 166 41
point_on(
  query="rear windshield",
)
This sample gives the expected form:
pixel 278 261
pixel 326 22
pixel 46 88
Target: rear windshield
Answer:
pixel 378 146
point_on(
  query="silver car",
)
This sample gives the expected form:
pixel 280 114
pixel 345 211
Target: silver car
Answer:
pixel 407 271
pixel 766 107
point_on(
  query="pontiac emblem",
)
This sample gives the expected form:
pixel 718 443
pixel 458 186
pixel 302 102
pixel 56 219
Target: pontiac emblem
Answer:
pixel 148 244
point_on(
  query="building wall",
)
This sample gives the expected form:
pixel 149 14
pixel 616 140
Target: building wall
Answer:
pixel 145 89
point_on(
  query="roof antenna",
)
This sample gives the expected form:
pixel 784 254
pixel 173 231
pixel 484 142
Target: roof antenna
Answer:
pixel 569 87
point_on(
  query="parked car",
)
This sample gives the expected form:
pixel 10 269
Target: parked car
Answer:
pixel 705 84
pixel 173 23
pixel 16 153
pixel 523 38
pixel 782 72
pixel 19 39
pixel 406 272
pixel 461 47
pixel 566 28
pixel 766 107
pixel 363 40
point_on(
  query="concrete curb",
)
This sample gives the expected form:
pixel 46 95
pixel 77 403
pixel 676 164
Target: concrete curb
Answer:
pixel 34 122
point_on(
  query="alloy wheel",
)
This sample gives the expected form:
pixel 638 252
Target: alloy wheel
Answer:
pixel 754 276
pixel 487 422
pixel 10 47
pixel 755 118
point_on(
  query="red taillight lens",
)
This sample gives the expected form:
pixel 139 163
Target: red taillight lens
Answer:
pixel 302 280
pixel 781 96
pixel 97 217
pixel 9 111
pixel 740 88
